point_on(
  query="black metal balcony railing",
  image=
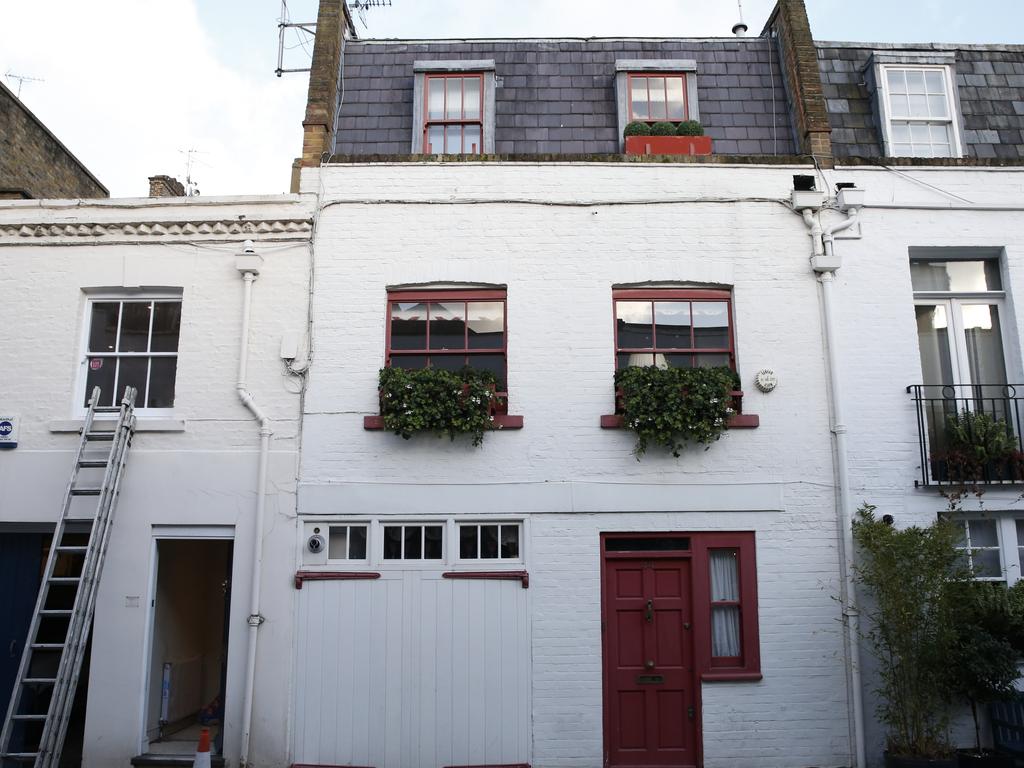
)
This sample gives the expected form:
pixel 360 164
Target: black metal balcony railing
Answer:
pixel 970 434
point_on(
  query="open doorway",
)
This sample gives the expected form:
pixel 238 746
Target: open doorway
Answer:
pixel 188 661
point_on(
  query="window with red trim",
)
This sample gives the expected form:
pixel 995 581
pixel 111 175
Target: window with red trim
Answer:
pixel 448 330
pixel 658 97
pixel 673 328
pixel 453 114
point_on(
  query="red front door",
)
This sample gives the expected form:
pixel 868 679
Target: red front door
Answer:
pixel 651 701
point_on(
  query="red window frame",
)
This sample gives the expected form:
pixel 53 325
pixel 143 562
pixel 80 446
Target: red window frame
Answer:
pixel 428 297
pixel 746 666
pixel 674 295
pixel 647 76
pixel 461 121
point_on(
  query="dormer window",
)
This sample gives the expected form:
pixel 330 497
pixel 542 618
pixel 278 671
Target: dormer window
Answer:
pixel 454 114
pixel 453 107
pixel 655 90
pixel 654 97
pixel 916 103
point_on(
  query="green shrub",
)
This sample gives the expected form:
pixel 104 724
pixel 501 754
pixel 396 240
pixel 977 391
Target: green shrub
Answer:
pixel 690 128
pixel 637 128
pixel 433 400
pixel 915 581
pixel 675 406
pixel 663 129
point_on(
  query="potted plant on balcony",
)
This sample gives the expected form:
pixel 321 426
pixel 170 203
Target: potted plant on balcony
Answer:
pixel 983 665
pixel 979 448
pixel 444 402
pixel 672 407
pixel 913 576
pixel 665 138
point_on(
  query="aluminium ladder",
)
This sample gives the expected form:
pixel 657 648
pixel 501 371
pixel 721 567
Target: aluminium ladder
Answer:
pixel 44 689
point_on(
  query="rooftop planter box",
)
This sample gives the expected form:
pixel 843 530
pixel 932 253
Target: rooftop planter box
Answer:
pixel 440 402
pixel 676 407
pixel 667 139
pixel 668 145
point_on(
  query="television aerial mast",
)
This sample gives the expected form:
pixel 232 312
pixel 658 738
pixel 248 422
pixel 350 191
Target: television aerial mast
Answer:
pixel 305 32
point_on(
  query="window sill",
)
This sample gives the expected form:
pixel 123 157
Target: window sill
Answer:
pixel 141 425
pixel 501 421
pixel 735 677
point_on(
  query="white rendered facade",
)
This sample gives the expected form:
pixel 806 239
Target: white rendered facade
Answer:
pixel 192 470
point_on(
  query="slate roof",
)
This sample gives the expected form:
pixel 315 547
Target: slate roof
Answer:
pixel 990 84
pixel 557 96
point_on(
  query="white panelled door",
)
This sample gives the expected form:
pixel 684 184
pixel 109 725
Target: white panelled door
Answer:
pixel 412 671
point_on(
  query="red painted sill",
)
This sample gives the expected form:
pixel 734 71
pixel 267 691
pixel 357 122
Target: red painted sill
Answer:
pixel 521 576
pixel 501 421
pixel 736 677
pixel 738 420
pixel 301 576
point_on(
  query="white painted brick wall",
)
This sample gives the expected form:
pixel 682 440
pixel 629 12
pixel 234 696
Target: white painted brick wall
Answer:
pixel 559 263
pixel 203 476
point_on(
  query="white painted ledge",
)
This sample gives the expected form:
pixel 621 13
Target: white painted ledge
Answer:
pixel 141 425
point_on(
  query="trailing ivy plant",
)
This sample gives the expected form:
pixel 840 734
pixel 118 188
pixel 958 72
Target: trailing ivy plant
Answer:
pixel 433 400
pixel 672 407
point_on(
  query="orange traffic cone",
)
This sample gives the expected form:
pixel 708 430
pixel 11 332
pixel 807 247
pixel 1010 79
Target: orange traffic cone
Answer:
pixel 203 750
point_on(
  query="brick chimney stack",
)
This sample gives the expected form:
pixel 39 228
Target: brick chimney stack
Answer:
pixel 165 186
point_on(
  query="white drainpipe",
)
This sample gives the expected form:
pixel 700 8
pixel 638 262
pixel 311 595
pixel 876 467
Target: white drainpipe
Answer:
pixel 248 264
pixel 825 262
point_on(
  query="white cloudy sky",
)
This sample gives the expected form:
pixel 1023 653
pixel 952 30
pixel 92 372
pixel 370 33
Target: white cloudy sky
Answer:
pixel 129 85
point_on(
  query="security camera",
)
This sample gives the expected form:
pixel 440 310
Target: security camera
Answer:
pixel 316 544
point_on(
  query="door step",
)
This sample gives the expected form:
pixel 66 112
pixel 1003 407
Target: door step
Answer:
pixel 154 760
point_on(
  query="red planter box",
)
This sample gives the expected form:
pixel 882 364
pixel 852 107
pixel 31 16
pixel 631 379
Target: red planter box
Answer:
pixel 668 145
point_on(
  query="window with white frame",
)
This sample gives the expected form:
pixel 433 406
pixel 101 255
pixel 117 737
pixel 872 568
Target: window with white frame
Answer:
pixel 992 546
pixel 132 342
pixel 413 542
pixel 489 541
pixel 918 107
pixel 346 542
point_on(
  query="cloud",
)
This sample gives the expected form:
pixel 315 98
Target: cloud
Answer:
pixel 128 88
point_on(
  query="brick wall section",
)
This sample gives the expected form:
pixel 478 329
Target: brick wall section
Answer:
pixel 165 186
pixel 990 85
pixel 557 96
pixel 33 162
pixel 800 64
pixel 322 99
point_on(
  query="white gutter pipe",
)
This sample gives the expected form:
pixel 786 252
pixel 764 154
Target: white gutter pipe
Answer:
pixel 248 263
pixel 825 262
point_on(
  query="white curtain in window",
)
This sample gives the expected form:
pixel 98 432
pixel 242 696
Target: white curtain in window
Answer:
pixel 725 619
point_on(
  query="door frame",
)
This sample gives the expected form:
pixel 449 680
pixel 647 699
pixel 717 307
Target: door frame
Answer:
pixel 698 721
pixel 162 533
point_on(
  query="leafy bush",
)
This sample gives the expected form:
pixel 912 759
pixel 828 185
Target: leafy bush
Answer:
pixel 983 664
pixel 690 128
pixel 980 446
pixel 663 129
pixel 675 406
pixel 433 400
pixel 915 578
pixel 637 128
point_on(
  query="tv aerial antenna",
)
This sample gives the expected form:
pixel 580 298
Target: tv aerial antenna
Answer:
pixel 22 79
pixel 305 33
pixel 740 29
pixel 362 6
pixel 191 187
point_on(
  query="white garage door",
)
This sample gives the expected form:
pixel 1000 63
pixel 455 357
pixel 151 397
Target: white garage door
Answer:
pixel 412 671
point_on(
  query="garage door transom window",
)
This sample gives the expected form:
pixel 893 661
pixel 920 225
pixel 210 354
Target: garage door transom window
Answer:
pixel 489 541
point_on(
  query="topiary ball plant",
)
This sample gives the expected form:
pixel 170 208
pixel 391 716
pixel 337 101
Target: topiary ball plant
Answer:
pixel 690 128
pixel 663 129
pixel 637 128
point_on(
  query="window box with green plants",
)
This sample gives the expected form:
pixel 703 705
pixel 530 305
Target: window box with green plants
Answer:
pixel 675 407
pixel 685 138
pixel 440 402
